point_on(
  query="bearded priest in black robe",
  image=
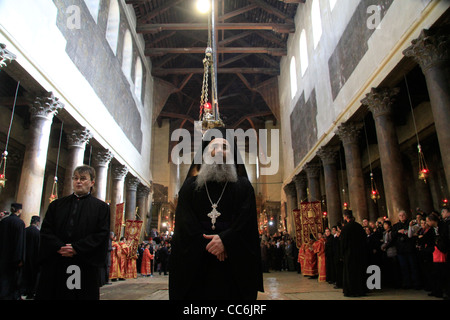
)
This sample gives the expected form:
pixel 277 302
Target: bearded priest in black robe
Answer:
pixel 74 243
pixel 216 251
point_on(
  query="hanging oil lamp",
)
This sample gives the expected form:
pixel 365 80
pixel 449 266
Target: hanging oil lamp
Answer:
pixel 54 194
pixel 3 170
pixel 374 194
pixel 423 168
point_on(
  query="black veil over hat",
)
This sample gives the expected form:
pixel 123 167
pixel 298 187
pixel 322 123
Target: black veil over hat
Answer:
pixel 209 136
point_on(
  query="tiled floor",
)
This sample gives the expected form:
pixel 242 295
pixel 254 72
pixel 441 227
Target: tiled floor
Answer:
pixel 278 286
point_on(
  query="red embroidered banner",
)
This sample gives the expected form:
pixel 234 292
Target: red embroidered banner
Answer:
pixel 308 220
pixel 132 234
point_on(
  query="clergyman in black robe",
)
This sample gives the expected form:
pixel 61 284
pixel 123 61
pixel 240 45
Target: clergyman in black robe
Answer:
pixel 74 243
pixel 31 268
pixel 216 258
pixel 354 255
pixel 12 253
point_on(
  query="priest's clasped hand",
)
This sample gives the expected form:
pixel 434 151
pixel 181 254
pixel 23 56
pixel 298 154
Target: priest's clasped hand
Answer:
pixel 67 251
pixel 216 247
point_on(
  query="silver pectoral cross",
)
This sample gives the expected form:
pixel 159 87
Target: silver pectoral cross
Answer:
pixel 214 214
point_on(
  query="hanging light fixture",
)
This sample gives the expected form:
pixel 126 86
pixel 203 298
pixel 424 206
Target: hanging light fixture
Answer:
pixel 209 112
pixel 423 168
pixel 5 153
pixel 374 194
pixel 54 194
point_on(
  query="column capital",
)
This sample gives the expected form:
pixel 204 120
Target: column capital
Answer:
pixel 301 180
pixel 349 132
pixel 132 183
pixel 143 191
pixel 430 48
pixel 5 55
pixel 290 189
pixel 45 106
pixel 119 171
pixel 380 100
pixel 101 157
pixel 78 137
pixel 312 170
pixel 328 154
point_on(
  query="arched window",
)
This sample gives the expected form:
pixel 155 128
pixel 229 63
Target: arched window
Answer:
pixel 138 78
pixel 293 74
pixel 93 6
pixel 127 56
pixel 112 28
pixel 316 22
pixel 303 52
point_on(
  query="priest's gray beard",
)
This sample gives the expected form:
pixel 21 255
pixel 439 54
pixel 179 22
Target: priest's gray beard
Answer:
pixel 216 172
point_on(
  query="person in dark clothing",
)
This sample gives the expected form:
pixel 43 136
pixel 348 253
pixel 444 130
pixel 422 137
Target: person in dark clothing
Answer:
pixel 329 257
pixel 354 256
pixel 74 243
pixel 12 253
pixel 216 251
pixel 163 255
pixel 31 268
pixel 406 254
pixel 425 247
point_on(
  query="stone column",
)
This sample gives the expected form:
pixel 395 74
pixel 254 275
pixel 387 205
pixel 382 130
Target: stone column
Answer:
pixel 76 140
pixel 432 52
pixel 35 158
pixel 313 175
pixel 130 205
pixel 328 156
pixel 142 200
pixel 301 185
pixel 349 133
pixel 100 162
pixel 118 173
pixel 291 197
pixel 142 204
pixel 380 103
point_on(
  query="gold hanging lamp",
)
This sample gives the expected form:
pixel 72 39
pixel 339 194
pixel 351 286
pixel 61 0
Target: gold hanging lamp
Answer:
pixel 374 193
pixel 5 153
pixel 54 194
pixel 423 168
pixel 209 112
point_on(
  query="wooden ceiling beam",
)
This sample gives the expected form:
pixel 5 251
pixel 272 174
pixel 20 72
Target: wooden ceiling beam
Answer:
pixel 237 12
pixel 155 52
pixel 272 10
pixel 158 27
pixel 160 72
pixel 150 15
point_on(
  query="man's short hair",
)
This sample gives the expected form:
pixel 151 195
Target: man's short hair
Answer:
pixel 35 219
pixel 16 207
pixel 85 169
pixel 348 213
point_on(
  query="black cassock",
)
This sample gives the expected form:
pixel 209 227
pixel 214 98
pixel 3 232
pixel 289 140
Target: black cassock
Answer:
pixel 196 274
pixel 82 222
pixel 31 268
pixel 354 255
pixel 12 251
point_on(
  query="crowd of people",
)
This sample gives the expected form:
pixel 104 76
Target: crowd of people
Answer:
pixel 19 248
pixel 411 254
pixel 149 256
